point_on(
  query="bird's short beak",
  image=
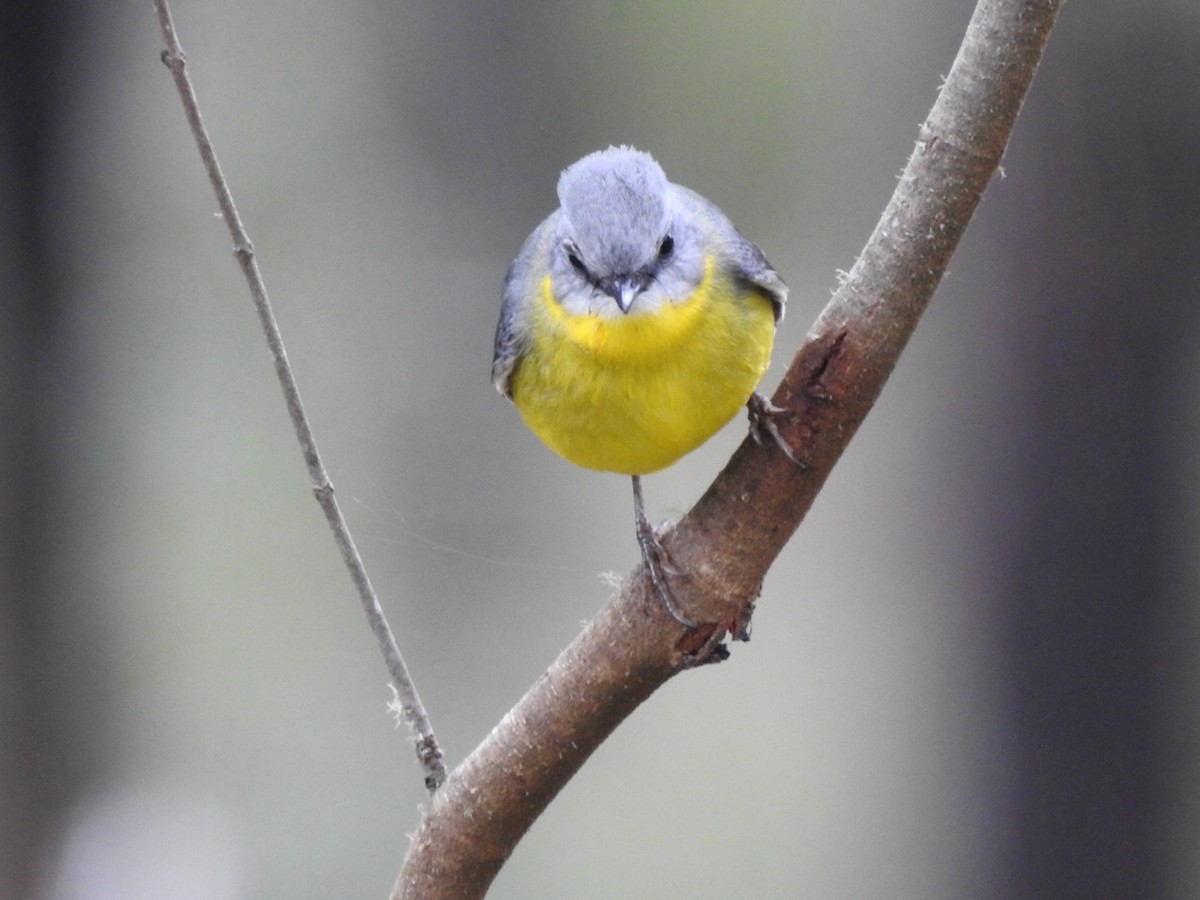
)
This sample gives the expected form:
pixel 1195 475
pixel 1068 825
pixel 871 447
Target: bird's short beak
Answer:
pixel 623 289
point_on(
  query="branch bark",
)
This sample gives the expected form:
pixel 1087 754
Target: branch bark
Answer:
pixel 733 534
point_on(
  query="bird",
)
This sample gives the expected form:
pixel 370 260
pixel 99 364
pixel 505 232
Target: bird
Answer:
pixel 635 321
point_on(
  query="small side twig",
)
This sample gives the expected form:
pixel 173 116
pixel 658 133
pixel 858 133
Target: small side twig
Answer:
pixel 428 752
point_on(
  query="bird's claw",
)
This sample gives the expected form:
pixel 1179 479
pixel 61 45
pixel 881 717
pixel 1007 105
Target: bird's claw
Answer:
pixel 762 426
pixel 658 564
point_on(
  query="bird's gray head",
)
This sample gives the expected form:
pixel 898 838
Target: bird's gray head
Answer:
pixel 614 231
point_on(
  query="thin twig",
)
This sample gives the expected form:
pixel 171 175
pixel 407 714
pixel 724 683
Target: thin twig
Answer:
pixel 428 752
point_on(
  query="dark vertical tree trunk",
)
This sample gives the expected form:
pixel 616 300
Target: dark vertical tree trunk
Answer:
pixel 42 755
pixel 1106 262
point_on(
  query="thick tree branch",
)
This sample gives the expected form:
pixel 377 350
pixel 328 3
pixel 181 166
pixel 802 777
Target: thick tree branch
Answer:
pixel 729 539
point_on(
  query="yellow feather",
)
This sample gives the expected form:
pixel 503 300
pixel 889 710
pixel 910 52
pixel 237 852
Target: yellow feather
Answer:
pixel 634 393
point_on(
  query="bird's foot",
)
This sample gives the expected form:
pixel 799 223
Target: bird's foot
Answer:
pixel 658 564
pixel 762 426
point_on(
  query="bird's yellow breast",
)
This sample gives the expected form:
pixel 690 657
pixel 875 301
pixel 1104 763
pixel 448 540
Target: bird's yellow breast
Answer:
pixel 634 393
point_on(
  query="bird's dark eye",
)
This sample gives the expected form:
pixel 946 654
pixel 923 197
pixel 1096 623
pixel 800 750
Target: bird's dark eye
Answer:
pixel 574 258
pixel 666 248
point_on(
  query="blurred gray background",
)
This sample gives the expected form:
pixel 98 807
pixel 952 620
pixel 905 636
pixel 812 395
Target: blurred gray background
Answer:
pixel 975 670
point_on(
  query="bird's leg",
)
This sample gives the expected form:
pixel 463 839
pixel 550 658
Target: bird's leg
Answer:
pixel 655 557
pixel 762 426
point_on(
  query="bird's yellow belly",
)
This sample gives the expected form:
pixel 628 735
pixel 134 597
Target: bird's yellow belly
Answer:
pixel 635 393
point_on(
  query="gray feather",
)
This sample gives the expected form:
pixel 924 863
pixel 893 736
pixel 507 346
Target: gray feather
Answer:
pixel 617 209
